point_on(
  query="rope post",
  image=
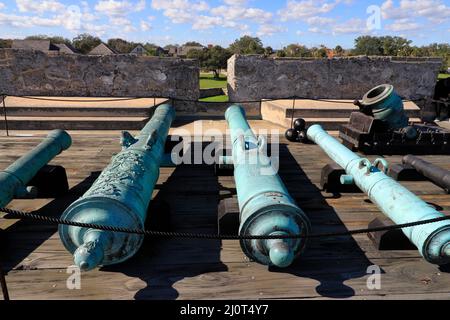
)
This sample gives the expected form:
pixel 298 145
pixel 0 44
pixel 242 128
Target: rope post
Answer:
pixel 4 114
pixel 292 116
pixel 3 285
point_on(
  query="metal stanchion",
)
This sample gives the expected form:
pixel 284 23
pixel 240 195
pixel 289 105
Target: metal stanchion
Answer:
pixel 3 285
pixel 4 114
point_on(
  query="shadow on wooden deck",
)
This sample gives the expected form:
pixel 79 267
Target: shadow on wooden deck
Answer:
pixel 161 263
pixel 10 254
pixel 331 261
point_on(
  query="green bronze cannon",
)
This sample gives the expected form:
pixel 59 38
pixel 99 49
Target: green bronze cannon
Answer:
pixel 14 179
pixel 266 208
pixel 119 197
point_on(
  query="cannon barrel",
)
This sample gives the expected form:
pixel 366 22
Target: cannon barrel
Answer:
pixel 14 179
pixel 266 208
pixel 119 197
pixel 436 174
pixel 394 200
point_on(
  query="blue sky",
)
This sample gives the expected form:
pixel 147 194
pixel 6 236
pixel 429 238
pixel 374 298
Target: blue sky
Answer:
pixel 277 23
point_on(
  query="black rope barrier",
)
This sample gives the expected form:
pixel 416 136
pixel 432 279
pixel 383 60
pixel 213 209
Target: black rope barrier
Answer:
pixel 187 235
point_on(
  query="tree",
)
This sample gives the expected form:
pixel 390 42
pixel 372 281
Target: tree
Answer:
pixel 268 51
pixel 152 49
pixel 395 46
pixel 211 59
pixel 247 45
pixel 193 44
pixel 281 53
pixel 85 42
pixel 382 46
pixel 53 39
pixel 5 43
pixel 368 45
pixel 217 59
pixel 121 46
pixel 296 50
pixel 321 52
pixel 167 47
pixel 338 51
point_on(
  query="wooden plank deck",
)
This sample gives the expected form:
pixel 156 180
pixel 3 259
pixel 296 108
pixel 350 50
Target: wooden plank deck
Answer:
pixel 36 261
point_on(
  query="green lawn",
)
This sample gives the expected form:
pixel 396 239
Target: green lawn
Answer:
pixel 222 98
pixel 207 81
pixel 443 75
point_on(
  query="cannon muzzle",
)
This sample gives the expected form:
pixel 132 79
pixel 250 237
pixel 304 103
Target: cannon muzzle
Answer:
pixel 383 103
pixel 266 208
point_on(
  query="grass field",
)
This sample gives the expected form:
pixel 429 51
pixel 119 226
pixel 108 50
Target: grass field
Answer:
pixel 444 76
pixel 222 98
pixel 207 81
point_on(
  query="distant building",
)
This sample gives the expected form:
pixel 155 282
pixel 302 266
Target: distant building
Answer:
pixel 102 50
pixel 183 50
pixel 43 45
pixel 172 50
pixel 161 51
pixel 139 50
pixel 66 48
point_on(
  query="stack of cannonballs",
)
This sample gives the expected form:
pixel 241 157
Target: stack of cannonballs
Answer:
pixel 298 131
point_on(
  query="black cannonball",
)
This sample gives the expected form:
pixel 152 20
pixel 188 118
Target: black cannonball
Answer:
pixel 302 137
pixel 291 135
pixel 299 124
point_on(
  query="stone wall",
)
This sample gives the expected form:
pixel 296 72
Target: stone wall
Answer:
pixel 255 77
pixel 24 72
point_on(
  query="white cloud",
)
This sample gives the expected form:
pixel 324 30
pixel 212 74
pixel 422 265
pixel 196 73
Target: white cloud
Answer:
pixel 316 30
pixel 72 18
pixel 2 5
pixel 206 22
pixel 300 10
pixel 119 8
pixel 319 21
pixel 235 2
pixel 239 13
pixel 434 10
pixel 180 11
pixel 180 5
pixel 232 14
pixel 402 25
pixel 39 6
pixel 352 26
pixel 145 26
pixel 269 30
pixel 27 21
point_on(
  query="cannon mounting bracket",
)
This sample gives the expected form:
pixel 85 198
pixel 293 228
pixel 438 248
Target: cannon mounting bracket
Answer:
pixel 330 180
pixel 372 136
pixel 388 239
pixel 228 216
pixel 50 181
